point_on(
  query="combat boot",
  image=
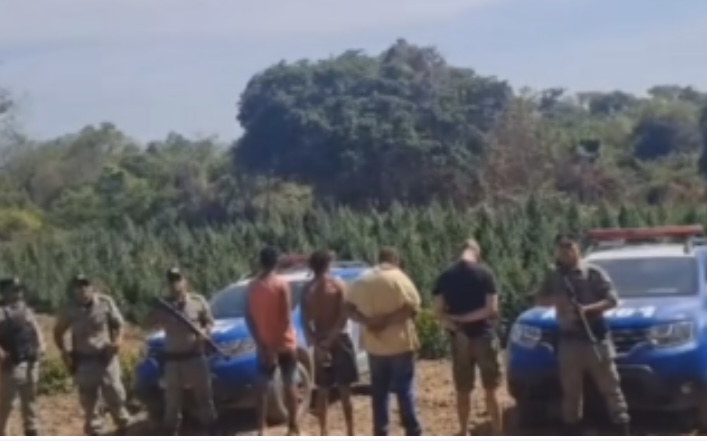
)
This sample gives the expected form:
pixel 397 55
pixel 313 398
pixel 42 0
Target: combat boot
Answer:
pixel 31 432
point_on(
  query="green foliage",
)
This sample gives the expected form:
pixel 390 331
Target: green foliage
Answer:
pixel 130 263
pixel 55 379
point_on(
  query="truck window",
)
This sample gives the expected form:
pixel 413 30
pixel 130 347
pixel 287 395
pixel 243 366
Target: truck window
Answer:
pixel 230 303
pixel 653 276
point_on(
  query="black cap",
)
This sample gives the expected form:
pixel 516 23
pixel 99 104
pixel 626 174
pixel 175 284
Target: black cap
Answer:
pixel 566 239
pixel 174 274
pixel 10 284
pixel 81 280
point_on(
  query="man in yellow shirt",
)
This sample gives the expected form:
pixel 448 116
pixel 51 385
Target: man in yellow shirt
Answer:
pixel 385 301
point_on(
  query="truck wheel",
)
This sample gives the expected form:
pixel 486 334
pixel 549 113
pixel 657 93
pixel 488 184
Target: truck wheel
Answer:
pixel 277 412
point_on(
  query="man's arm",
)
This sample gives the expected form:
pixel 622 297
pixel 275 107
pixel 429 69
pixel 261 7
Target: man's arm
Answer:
pixel 603 286
pixel 351 308
pixel 490 309
pixel 286 304
pixel 409 309
pixel 116 322
pixel 60 327
pixel 305 305
pixel 206 317
pixel 41 343
pixel 343 318
pixel 250 322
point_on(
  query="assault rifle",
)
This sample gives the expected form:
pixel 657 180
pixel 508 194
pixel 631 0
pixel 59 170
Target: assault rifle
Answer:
pixel 169 309
pixel 587 328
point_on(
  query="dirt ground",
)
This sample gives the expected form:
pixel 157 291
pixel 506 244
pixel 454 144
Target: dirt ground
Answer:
pixel 61 415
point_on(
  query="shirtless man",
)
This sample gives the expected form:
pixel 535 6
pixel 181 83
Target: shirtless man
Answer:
pixel 325 322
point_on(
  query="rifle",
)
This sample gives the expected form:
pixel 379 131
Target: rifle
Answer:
pixel 588 331
pixel 212 346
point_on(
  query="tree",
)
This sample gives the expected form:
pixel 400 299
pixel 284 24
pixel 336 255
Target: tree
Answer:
pixel 403 125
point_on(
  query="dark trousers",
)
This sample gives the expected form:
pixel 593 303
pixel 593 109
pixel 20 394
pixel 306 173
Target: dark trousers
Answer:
pixel 396 374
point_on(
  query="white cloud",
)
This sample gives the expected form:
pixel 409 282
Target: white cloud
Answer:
pixel 39 21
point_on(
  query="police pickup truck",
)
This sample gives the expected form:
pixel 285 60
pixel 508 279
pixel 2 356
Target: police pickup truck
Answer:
pixel 659 328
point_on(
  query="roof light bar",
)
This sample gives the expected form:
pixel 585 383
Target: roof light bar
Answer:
pixel 683 232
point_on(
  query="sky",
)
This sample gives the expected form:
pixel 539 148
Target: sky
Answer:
pixel 156 66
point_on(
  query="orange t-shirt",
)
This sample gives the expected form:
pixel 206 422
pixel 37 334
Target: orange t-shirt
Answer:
pixel 269 309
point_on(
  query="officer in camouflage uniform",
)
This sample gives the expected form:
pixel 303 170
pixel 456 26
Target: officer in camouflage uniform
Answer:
pixel 184 358
pixel 576 288
pixel 21 346
pixel 96 327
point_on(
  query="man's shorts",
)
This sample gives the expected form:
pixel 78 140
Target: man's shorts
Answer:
pixel 338 367
pixel 285 361
pixel 470 353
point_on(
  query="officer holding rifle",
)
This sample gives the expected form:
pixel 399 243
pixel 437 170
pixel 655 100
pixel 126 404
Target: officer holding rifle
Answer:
pixel 581 293
pixel 186 320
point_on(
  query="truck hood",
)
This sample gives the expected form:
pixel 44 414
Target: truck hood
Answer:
pixel 638 312
pixel 224 331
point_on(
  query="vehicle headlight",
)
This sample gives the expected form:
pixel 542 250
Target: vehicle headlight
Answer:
pixel 526 336
pixel 238 347
pixel 672 334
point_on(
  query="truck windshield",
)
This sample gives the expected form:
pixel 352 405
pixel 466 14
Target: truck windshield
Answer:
pixel 231 302
pixel 652 276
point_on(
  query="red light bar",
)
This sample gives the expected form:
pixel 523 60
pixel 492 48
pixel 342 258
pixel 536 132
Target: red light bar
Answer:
pixel 290 261
pixel 672 231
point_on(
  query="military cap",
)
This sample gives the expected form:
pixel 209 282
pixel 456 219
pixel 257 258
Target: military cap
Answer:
pixel 566 239
pixel 174 274
pixel 10 284
pixel 80 280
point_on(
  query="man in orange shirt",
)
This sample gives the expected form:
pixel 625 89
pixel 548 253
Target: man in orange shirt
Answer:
pixel 269 320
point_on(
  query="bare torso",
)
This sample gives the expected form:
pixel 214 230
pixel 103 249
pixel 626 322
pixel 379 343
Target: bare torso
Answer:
pixel 324 303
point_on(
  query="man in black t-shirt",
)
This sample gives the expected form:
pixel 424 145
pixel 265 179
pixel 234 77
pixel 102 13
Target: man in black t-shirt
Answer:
pixel 466 302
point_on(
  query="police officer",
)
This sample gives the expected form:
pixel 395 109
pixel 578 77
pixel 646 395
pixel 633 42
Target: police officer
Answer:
pixel 21 346
pixel 581 293
pixel 96 327
pixel 184 358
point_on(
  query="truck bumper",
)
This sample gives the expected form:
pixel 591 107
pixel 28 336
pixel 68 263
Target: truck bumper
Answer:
pixel 644 389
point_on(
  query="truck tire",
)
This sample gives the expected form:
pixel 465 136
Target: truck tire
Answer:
pixel 277 412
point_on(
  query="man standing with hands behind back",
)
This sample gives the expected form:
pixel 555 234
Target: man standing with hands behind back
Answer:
pixel 269 319
pixel 466 301
pixel 385 301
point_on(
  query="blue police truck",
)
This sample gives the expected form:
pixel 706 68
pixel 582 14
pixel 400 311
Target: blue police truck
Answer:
pixel 659 328
pixel 234 378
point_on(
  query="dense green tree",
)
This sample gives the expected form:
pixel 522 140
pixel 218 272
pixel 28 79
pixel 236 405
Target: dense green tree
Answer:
pixel 341 125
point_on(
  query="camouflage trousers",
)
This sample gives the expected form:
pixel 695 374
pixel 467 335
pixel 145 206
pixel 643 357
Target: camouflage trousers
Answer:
pixel 192 374
pixel 98 382
pixel 578 358
pixel 19 381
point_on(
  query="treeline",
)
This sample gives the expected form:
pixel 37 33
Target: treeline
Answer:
pixel 362 131
pixel 130 263
pixel 350 152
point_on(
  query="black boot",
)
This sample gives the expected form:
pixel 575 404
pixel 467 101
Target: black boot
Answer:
pixel 31 432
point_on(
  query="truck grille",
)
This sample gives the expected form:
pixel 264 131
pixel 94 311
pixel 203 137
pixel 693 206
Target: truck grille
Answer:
pixel 627 339
pixel 624 339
